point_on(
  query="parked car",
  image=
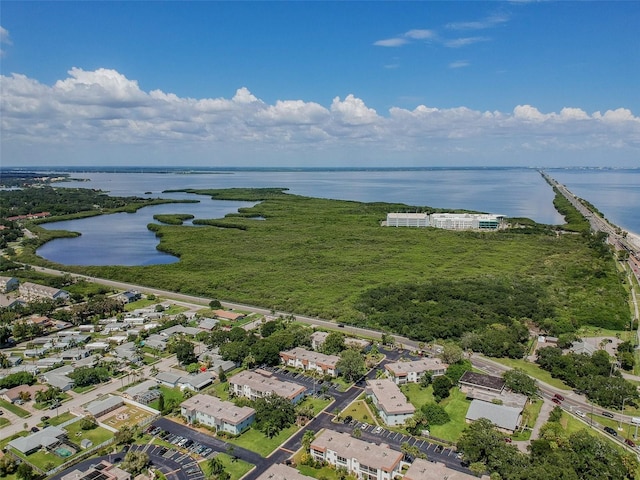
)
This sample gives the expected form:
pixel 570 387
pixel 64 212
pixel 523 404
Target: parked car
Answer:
pixel 44 418
pixel 611 431
pixel 630 442
pixel 35 429
pixel 348 419
pixel 607 414
pixel 377 430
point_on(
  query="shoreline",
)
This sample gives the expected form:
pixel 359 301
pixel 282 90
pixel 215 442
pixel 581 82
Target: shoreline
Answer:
pixel 634 239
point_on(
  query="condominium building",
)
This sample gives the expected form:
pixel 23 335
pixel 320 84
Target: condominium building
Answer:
pixel 366 460
pixel 278 471
pixel 466 221
pixel 213 412
pixel 425 470
pixel 311 361
pixel 407 220
pixel 260 383
pixel 32 291
pixel 412 372
pixel 391 403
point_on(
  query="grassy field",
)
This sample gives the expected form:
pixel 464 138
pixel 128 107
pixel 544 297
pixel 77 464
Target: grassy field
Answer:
pixel 317 256
pixel 4 422
pixel 96 435
pixel 456 405
pixel 63 417
pixel 236 468
pixel 533 370
pixel 359 410
pixel 168 394
pixel 15 409
pixel 258 442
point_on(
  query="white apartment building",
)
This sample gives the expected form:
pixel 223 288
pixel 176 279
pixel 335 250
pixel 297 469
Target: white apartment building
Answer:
pixel 260 383
pixel 392 405
pixel 311 361
pixel 466 221
pixel 412 372
pixel 367 461
pixel 213 412
pixel 407 220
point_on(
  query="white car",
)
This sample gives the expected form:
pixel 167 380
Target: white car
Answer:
pixel 580 413
pixel 377 430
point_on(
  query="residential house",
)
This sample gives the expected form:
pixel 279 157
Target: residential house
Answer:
pixel 9 301
pixel 59 377
pixel 129 296
pixel 311 361
pixel 413 371
pixel 392 405
pixel 15 393
pixel 8 284
pixel 259 383
pixel 47 438
pixel 228 315
pixel 365 460
pixel 32 291
pixel 179 330
pixel 144 393
pixel 190 382
pixel 104 406
pixel 317 339
pixel 221 415
pixel 208 323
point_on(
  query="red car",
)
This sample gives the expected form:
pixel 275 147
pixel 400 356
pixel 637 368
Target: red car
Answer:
pixel 555 400
pixel 630 442
pixel 559 397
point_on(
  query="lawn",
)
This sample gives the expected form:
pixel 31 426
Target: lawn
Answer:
pixel 96 435
pixel 530 415
pixel 258 442
pixel 142 303
pixel 61 418
pixel 326 473
pixel 456 405
pixel 359 410
pixel 15 409
pixel 221 390
pixel 318 404
pixel 236 468
pixel 169 394
pixel 4 422
pixel 533 370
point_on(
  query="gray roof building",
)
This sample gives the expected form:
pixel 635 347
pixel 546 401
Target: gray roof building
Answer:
pixel 102 407
pixel 45 438
pixel 506 418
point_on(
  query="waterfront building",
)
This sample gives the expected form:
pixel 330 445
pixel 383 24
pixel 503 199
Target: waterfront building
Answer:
pixel 392 405
pixel 466 221
pixel 33 291
pixel 8 284
pixel 407 220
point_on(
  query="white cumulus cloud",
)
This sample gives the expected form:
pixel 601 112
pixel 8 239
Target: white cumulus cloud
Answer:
pixel 105 109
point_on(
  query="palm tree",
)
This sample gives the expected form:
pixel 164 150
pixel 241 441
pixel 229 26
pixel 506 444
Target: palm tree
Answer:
pixel 307 438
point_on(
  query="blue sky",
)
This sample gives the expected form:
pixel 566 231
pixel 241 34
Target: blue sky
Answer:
pixel 320 83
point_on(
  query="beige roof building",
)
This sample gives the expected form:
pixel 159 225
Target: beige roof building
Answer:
pixel 259 383
pixel 425 470
pixel 366 460
pixel 279 471
pixel 309 360
pixel 391 403
pixel 217 413
pixel 407 372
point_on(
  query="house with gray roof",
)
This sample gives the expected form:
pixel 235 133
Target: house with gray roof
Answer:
pixel 7 284
pixel 208 323
pixel 47 438
pixel 191 382
pixel 392 405
pixel 179 330
pixel 104 406
pixel 59 377
pixel 505 418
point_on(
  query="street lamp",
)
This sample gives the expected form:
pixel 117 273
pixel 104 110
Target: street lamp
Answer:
pixel 622 412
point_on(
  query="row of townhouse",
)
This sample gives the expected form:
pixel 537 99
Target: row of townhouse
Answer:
pixel 413 371
pixel 33 291
pixel 218 414
pixel 258 383
pixel 319 337
pixel 310 361
pixel 368 461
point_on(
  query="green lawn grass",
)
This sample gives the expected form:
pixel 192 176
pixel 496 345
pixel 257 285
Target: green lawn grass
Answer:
pixel 15 409
pixel 221 390
pixel 169 394
pixel 318 404
pixel 258 442
pixel 359 410
pixel 236 468
pixel 4 422
pixel 96 435
pixel 63 417
pixel 534 371
pixel 142 303
pixel 456 405
pixel 317 256
pixel 325 473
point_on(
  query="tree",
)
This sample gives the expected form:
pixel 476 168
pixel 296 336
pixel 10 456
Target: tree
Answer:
pixel 456 370
pixel 88 423
pixel 216 466
pixel 213 304
pixel 451 353
pixel 426 379
pixel 25 471
pixel 135 462
pixel 273 414
pixel 351 365
pixel 435 414
pixel 184 351
pixel 125 436
pixel 441 387
pixel 518 381
pixel 161 405
pixel 307 439
pixel 333 344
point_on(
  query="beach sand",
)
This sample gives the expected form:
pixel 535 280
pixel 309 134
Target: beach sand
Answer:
pixel 634 238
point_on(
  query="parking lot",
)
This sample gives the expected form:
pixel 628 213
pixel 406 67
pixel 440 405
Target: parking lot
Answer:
pixel 174 464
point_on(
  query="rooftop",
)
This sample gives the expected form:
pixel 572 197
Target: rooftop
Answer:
pixel 214 407
pixel 264 383
pixel 482 380
pixel 389 396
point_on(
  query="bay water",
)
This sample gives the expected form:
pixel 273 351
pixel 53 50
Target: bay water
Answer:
pixel 123 239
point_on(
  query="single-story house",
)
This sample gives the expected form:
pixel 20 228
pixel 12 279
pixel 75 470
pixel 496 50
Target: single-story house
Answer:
pixel 179 330
pixel 481 381
pixel 7 284
pixel 102 407
pixel 13 394
pixel 208 323
pixel 46 438
pixel 129 296
pixel 505 418
pixel 228 315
